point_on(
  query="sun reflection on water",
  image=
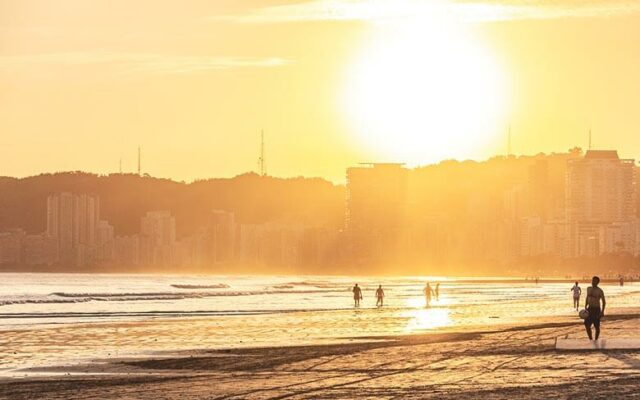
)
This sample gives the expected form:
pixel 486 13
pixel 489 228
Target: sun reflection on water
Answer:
pixel 426 318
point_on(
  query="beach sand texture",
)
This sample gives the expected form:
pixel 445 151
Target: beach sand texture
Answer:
pixel 509 362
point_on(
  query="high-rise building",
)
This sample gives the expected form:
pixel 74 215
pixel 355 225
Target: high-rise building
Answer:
pixel 600 188
pixel 531 237
pixel 159 226
pixel 190 251
pixel 158 231
pixel 60 223
pixel 618 237
pixel 540 197
pixel 105 242
pixel 72 220
pixel 600 191
pixel 249 243
pixel 11 246
pixel 85 219
pixel 222 236
pixel 375 216
pixel 39 250
pixel 127 250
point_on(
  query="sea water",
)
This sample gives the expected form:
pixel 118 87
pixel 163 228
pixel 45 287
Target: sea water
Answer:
pixel 50 319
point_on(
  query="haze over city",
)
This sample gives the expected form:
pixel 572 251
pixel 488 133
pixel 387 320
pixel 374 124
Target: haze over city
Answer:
pixel 332 83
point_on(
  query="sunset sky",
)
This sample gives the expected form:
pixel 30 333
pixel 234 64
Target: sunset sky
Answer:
pixel 332 83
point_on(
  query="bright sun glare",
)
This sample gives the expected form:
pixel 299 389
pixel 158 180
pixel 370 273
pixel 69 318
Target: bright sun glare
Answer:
pixel 425 90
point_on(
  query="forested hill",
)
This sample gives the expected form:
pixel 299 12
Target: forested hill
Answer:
pixel 462 195
pixel 127 197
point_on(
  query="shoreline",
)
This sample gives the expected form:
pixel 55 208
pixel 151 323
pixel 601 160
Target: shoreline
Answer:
pixel 499 346
pixel 489 278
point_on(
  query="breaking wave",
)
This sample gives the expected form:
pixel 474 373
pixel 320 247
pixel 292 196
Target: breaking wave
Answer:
pixel 214 286
pixel 8 302
pixel 71 297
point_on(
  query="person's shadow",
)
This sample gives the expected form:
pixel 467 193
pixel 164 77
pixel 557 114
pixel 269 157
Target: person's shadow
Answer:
pixel 626 358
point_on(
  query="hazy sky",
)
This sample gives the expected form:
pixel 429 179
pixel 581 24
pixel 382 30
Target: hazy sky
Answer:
pixel 332 83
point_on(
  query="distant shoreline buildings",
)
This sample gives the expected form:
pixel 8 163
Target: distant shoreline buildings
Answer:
pixel 599 214
pixel 587 210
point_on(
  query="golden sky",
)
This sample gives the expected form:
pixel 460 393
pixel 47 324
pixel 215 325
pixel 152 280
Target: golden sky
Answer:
pixel 332 83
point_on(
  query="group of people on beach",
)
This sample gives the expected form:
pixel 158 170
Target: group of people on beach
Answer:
pixel 592 313
pixel 428 291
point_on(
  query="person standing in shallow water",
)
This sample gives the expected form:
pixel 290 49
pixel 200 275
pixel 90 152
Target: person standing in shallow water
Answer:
pixel 577 291
pixel 379 296
pixel 428 292
pixel 592 304
pixel 357 295
pixel 438 291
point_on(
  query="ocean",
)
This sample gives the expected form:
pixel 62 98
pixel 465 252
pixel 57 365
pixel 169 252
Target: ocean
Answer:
pixel 50 319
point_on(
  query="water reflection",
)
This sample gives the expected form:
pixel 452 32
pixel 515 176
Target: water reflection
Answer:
pixel 426 318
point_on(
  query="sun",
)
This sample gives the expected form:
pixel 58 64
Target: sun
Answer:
pixel 424 90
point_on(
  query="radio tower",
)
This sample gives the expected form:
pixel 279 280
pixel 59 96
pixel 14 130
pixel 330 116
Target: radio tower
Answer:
pixel 509 142
pixel 139 159
pixel 262 161
pixel 589 138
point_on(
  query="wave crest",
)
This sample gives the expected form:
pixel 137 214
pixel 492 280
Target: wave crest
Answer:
pixel 214 286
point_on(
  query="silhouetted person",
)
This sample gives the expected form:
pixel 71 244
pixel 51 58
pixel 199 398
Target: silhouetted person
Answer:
pixel 357 295
pixel 379 296
pixel 577 291
pixel 428 292
pixel 621 281
pixel 438 291
pixel 592 304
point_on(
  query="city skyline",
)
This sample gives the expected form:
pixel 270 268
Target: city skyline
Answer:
pixel 138 167
pixel 338 82
pixel 507 215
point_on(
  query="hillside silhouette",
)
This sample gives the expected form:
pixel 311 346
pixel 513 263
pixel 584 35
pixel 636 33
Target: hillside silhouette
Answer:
pixel 458 214
pixel 127 197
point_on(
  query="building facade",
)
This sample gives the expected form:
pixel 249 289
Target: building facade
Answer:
pixel 72 220
pixel 600 196
pixel 376 206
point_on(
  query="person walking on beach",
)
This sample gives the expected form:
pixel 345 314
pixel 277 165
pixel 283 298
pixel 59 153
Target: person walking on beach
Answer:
pixel 428 292
pixel 577 291
pixel 379 296
pixel 357 295
pixel 438 291
pixel 592 304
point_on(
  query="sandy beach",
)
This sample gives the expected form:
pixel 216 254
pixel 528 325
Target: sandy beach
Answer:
pixel 504 362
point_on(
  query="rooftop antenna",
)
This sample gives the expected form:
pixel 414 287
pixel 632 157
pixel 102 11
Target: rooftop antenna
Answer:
pixel 139 159
pixel 509 141
pixel 262 161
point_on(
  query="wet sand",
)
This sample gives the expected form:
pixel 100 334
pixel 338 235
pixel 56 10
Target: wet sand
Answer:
pixel 507 362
